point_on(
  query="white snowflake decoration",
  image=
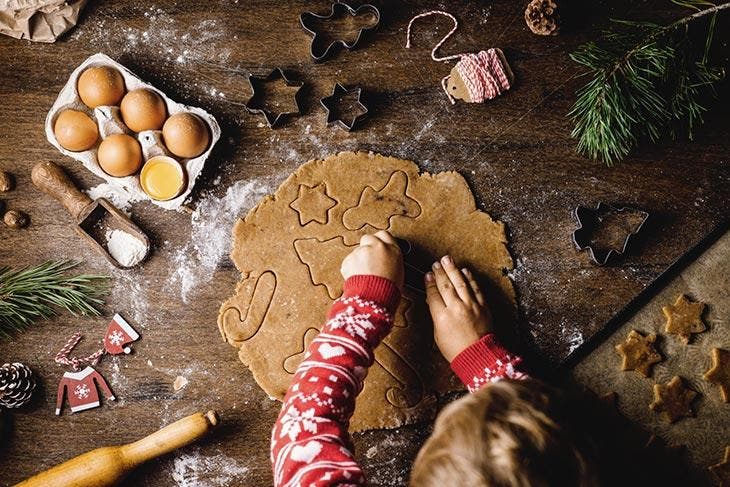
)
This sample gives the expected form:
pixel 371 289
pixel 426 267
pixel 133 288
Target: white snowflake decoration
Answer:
pixel 353 324
pixel 116 338
pixel 82 391
pixel 293 422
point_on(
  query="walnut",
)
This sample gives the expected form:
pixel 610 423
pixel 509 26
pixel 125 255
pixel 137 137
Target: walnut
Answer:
pixel 543 17
pixel 16 219
pixel 7 183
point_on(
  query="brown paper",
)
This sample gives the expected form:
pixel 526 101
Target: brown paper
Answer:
pixel 38 20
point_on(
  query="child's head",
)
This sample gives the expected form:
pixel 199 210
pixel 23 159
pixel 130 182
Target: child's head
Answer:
pixel 509 433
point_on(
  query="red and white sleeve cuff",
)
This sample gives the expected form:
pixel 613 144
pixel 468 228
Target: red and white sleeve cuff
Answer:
pixel 373 288
pixel 485 360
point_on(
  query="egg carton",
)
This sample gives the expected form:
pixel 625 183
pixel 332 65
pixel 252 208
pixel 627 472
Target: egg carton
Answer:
pixel 110 122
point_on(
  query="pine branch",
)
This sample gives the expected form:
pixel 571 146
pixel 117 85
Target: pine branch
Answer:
pixel 33 293
pixel 645 83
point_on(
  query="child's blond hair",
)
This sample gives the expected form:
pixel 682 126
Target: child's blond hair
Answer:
pixel 506 434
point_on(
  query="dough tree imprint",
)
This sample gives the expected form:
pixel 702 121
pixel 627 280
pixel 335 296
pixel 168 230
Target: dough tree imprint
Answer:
pixel 289 249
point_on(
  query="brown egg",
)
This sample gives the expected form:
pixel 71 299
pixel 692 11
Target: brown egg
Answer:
pixel 185 135
pixel 75 130
pixel 120 155
pixel 100 85
pixel 143 110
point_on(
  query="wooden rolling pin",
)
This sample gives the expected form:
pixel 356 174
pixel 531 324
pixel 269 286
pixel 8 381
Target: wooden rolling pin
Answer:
pixel 109 465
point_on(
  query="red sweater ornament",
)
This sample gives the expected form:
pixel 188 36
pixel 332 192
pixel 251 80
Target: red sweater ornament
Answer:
pixel 81 390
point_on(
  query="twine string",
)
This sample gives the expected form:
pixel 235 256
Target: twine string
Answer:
pixel 483 73
pixel 76 362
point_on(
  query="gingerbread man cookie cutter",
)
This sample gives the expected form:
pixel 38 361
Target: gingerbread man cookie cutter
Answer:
pixel 309 21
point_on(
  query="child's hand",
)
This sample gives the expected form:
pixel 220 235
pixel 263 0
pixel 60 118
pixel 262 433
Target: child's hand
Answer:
pixel 377 255
pixel 460 315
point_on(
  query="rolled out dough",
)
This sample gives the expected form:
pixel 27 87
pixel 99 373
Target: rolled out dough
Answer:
pixel 289 249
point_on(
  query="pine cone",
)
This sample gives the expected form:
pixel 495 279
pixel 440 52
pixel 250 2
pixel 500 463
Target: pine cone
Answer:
pixel 16 385
pixel 543 17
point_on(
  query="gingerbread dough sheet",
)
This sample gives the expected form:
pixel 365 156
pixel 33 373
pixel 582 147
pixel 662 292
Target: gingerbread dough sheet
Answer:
pixel 289 249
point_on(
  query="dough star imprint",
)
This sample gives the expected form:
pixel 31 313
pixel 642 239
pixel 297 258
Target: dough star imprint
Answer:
pixel 289 249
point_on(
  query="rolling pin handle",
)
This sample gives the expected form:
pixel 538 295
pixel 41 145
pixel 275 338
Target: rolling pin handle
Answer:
pixel 50 178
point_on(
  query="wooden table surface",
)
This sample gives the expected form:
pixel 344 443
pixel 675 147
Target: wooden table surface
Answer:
pixel 515 152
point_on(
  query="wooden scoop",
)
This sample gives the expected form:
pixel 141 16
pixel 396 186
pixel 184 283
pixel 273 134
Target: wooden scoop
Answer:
pixel 109 465
pixel 88 213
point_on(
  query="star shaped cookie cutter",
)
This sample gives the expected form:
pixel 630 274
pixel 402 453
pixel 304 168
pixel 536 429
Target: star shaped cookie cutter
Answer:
pixel 330 104
pixel 588 221
pixel 309 22
pixel 272 119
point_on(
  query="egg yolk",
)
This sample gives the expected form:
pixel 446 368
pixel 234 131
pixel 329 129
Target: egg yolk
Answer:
pixel 162 178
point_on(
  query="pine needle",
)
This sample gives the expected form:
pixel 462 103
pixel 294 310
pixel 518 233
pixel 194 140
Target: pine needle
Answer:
pixel 645 83
pixel 33 293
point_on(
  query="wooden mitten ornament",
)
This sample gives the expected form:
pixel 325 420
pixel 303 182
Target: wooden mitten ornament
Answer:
pixel 476 77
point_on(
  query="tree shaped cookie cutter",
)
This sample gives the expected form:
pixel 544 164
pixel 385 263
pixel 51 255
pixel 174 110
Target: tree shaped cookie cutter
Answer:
pixel 331 102
pixel 588 222
pixel 272 119
pixel 309 21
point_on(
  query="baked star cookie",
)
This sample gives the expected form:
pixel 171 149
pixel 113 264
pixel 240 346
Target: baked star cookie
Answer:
pixel 719 372
pixel 638 353
pixel 722 469
pixel 684 318
pixel 673 399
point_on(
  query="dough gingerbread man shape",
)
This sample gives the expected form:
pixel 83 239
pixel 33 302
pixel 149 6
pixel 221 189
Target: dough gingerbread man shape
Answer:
pixel 673 400
pixel 638 353
pixel 719 372
pixel 684 318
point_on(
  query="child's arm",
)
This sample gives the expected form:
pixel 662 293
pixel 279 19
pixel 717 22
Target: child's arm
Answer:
pixel 310 444
pixel 462 327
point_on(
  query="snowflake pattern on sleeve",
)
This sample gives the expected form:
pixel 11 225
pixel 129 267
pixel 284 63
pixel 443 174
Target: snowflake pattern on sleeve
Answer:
pixel 310 445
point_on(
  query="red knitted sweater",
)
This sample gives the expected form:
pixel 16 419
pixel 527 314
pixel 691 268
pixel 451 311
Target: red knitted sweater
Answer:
pixel 310 445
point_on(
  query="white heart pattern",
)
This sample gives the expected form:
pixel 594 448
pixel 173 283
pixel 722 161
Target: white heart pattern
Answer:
pixel 306 453
pixel 328 351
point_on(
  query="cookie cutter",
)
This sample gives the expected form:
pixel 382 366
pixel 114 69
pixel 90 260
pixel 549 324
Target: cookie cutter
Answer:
pixel 308 20
pixel 330 103
pixel 272 119
pixel 588 220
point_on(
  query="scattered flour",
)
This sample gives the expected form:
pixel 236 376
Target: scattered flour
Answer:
pixel 210 239
pixel 130 295
pixel 572 337
pixel 118 197
pixel 197 470
pixel 126 249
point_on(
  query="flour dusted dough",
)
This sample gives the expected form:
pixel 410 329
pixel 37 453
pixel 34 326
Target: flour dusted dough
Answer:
pixel 289 249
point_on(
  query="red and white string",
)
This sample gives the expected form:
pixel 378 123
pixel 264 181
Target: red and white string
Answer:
pixel 76 362
pixel 483 73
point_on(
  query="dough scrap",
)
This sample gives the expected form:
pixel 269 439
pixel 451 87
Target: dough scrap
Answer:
pixel 638 353
pixel 673 400
pixel 719 372
pixel 684 318
pixel 722 470
pixel 289 249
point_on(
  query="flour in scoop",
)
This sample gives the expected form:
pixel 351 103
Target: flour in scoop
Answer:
pixel 126 249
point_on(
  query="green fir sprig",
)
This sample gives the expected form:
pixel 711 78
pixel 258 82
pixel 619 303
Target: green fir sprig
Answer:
pixel 33 293
pixel 647 81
